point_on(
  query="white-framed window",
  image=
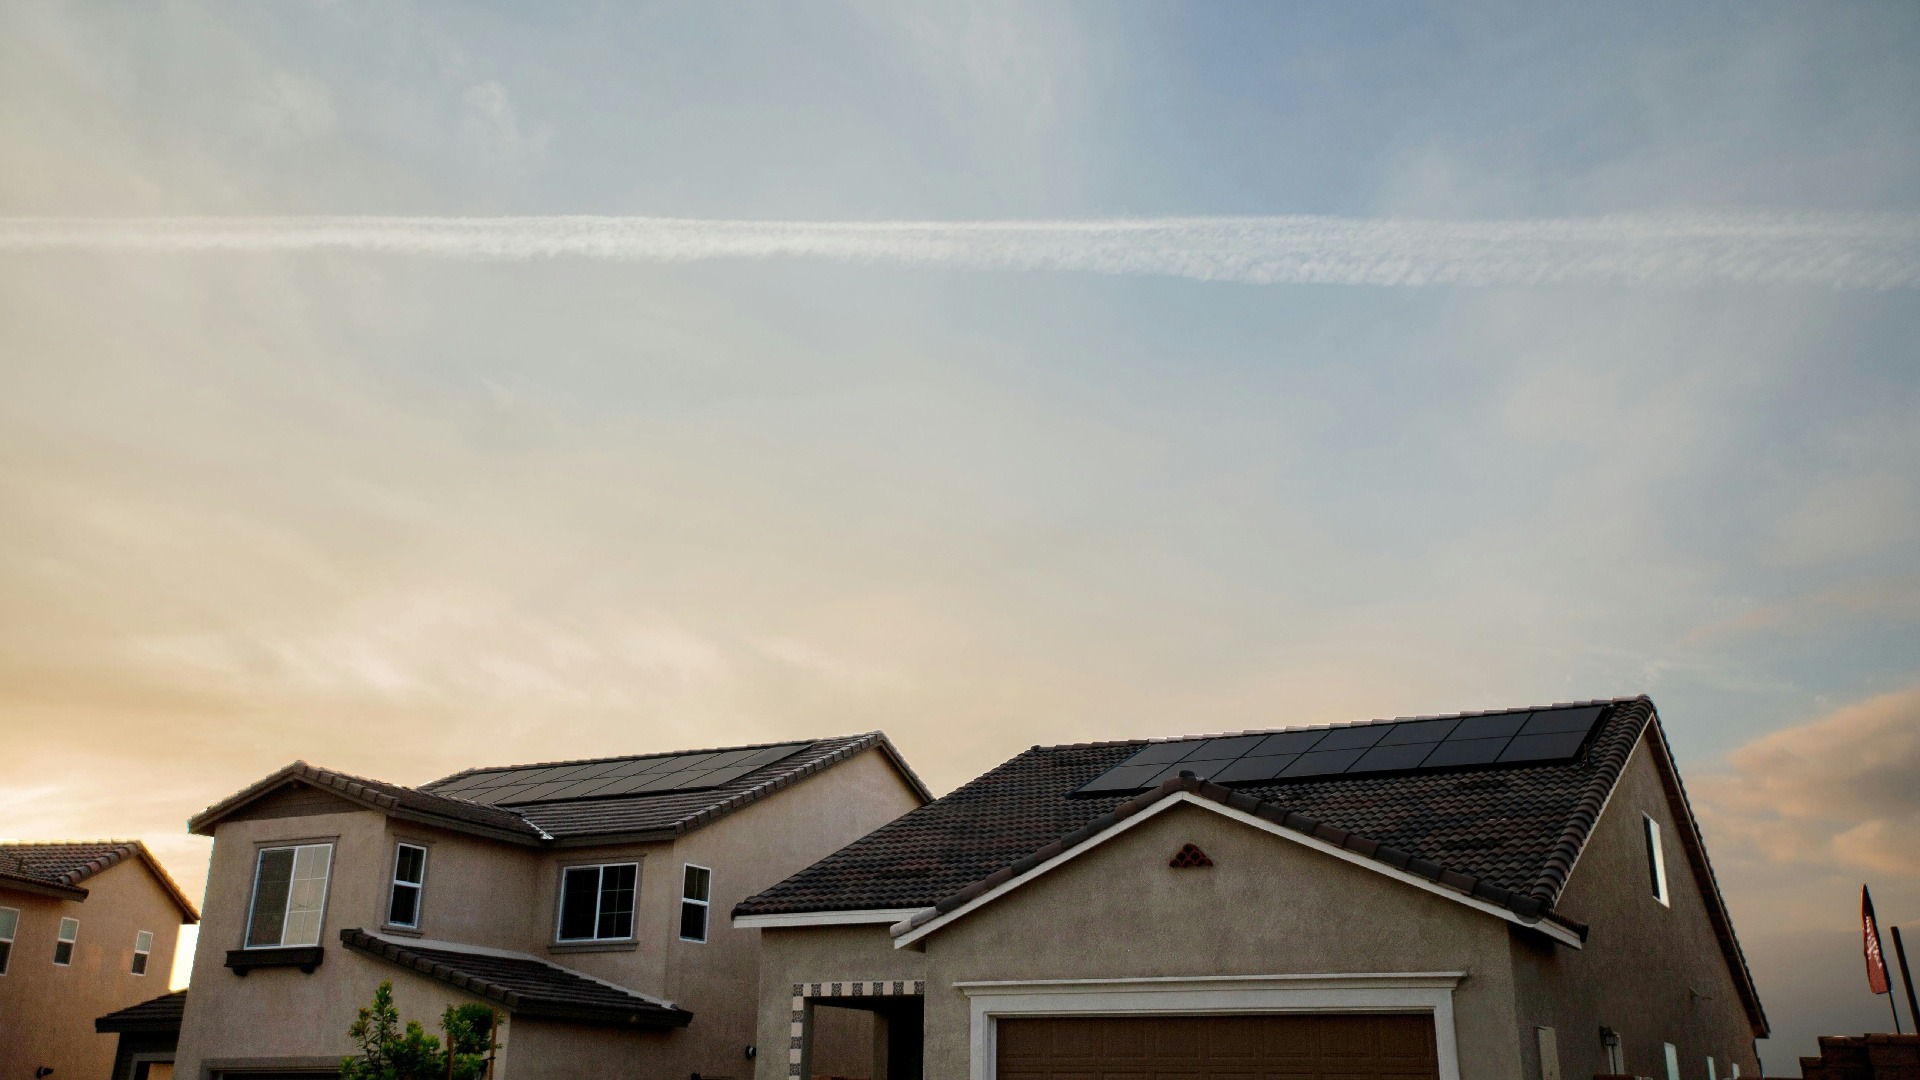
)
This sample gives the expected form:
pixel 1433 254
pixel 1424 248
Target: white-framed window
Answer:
pixel 1673 1061
pixel 289 896
pixel 9 925
pixel 596 902
pixel 409 879
pixel 1656 861
pixel 1713 1071
pixel 142 949
pixel 63 945
pixel 696 894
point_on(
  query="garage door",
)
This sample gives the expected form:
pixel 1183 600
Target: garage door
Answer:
pixel 1355 1047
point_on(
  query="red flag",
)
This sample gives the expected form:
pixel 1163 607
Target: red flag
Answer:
pixel 1877 980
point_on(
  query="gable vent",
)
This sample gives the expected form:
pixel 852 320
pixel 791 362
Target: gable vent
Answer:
pixel 1189 857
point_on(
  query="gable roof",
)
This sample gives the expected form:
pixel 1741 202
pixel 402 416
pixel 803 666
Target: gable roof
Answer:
pixel 161 1014
pixel 526 985
pixel 573 822
pixel 1506 836
pixel 57 869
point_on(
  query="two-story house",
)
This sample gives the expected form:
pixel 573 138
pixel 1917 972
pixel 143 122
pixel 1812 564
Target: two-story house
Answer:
pixel 85 928
pixel 1512 895
pixel 585 900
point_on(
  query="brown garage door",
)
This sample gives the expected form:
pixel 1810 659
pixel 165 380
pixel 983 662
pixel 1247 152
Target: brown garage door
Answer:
pixel 1355 1047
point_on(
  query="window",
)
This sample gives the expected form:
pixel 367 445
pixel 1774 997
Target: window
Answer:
pixel 695 887
pixel 596 902
pixel 142 948
pixel 409 873
pixel 1673 1061
pixel 63 948
pixel 9 923
pixel 1713 1073
pixel 289 895
pixel 1657 862
pixel 1549 1046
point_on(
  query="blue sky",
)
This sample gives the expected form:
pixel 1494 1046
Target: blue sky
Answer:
pixel 401 515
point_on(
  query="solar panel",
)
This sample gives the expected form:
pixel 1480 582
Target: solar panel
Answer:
pixel 618 776
pixel 1527 737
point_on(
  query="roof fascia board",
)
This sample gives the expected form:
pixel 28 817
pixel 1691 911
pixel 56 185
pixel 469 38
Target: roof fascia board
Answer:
pixel 905 937
pixel 1604 805
pixel 857 917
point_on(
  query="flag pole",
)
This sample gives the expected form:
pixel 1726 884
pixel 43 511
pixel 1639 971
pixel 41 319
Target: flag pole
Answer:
pixel 1906 976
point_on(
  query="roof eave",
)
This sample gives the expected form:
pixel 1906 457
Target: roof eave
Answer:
pixel 39 887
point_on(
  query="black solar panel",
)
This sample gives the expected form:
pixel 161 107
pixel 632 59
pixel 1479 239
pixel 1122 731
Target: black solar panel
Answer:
pixel 620 776
pixel 1535 737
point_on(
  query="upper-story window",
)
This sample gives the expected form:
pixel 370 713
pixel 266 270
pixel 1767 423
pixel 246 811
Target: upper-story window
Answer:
pixel 596 902
pixel 409 876
pixel 696 885
pixel 1673 1060
pixel 289 896
pixel 63 946
pixel 9 924
pixel 1657 862
pixel 142 948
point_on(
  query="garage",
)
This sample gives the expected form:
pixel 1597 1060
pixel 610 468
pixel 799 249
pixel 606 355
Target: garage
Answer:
pixel 1272 1047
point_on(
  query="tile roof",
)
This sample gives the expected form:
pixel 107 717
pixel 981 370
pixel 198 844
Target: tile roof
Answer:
pixel 1516 828
pixel 575 821
pixel 153 1015
pixel 526 985
pixel 60 867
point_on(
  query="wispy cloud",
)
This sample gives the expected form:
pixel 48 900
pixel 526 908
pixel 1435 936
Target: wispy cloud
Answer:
pixel 1876 252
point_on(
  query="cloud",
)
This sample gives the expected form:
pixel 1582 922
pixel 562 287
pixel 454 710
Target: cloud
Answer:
pixel 1840 794
pixel 1877 252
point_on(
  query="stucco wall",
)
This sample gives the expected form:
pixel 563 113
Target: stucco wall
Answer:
pixel 1655 974
pixel 1267 906
pixel 47 1010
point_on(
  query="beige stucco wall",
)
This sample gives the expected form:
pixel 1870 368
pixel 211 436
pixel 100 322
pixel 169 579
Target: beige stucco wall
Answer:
pixel 499 895
pixel 1655 974
pixel 1267 906
pixel 47 1010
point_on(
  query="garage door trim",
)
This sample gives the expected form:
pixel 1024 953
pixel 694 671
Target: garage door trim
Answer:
pixel 1217 995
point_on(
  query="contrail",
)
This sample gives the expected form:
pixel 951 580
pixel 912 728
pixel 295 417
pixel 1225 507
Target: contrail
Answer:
pixel 1877 252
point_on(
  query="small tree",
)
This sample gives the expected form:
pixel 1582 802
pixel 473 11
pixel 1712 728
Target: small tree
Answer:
pixel 391 1052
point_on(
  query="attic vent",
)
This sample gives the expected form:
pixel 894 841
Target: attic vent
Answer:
pixel 1189 857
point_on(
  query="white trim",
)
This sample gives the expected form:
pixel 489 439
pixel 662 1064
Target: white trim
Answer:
pixel 861 917
pixel 905 935
pixel 706 906
pixel 1656 859
pixel 1423 991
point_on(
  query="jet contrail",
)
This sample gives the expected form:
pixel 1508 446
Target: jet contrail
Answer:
pixel 1837 252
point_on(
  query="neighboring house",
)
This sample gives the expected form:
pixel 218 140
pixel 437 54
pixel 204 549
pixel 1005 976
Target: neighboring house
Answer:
pixel 85 928
pixel 1519 895
pixel 573 896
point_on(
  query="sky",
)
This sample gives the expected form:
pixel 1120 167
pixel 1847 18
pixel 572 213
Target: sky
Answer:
pixel 401 510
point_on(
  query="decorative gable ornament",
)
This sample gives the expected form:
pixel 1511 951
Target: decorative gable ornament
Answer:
pixel 1189 858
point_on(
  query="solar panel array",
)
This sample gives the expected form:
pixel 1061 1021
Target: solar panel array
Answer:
pixel 1530 738
pixel 616 776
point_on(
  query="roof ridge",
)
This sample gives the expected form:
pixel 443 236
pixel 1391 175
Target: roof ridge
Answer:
pixel 1340 724
pixel 1565 852
pixel 639 757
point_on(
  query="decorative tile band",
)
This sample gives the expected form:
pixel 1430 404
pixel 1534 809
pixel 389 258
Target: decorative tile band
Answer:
pixel 797 1030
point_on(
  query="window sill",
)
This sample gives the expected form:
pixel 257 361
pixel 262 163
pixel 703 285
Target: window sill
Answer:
pixel 593 946
pixel 403 931
pixel 304 957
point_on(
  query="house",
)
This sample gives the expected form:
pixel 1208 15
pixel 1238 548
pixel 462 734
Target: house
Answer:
pixel 85 928
pixel 1513 895
pixel 584 900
